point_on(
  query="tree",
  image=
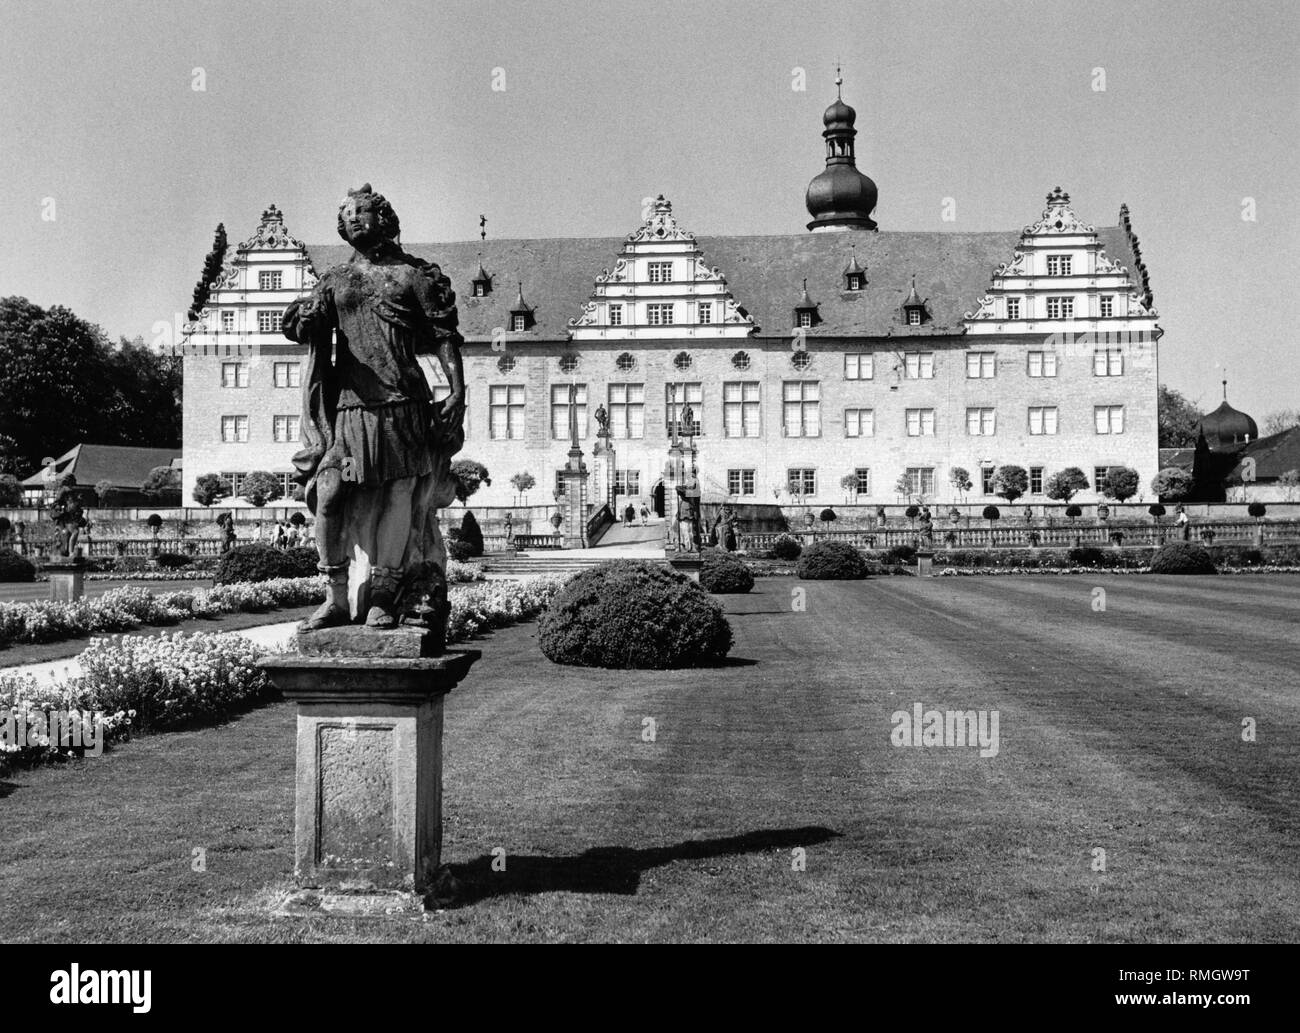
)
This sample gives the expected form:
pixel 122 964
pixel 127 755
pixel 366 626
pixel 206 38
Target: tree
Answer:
pixel 959 478
pixel 1063 486
pixel 212 264
pixel 904 486
pixel 523 482
pixel 1010 482
pixel 162 481
pixel 1279 420
pixel 1290 481
pixel 210 489
pixel 849 482
pixel 11 490
pixel 103 489
pixel 1177 419
pixel 261 487
pixel 469 476
pixel 1121 483
pixel 471 534
pixel 1172 484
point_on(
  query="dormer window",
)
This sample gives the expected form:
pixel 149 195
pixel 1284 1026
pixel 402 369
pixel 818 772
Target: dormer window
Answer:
pixel 854 281
pixel 913 317
pixel 914 307
pixel 521 314
pixel 481 285
pixel 855 277
pixel 805 311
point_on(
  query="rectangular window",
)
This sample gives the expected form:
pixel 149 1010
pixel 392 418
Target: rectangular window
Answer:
pixel 920 480
pixel 659 314
pixel 920 423
pixel 1042 364
pixel 859 366
pixel 228 321
pixel 1058 265
pixel 286 428
pixel 801 412
pixel 676 398
pixel 1035 480
pixel 627 482
pixel 506 411
pixel 1013 308
pixel 559 483
pixel 802 481
pixel 661 272
pixel 518 322
pixel 986 479
pixel 234 428
pixel 560 411
pixel 269 280
pixel 740 482
pixel 740 409
pixel 859 423
pixel 913 317
pixel 235 480
pixel 477 291
pixel 980 421
pixel 1107 306
pixel 288 374
pixel 234 374
pixel 863 475
pixel 1060 308
pixel 269 321
pixel 615 315
pixel 919 365
pixel 805 319
pixel 1109 419
pixel 627 410
pixel 1042 419
pixel 855 281
pixel 1108 362
pixel 1099 477
pixel 980 365
pixel 706 311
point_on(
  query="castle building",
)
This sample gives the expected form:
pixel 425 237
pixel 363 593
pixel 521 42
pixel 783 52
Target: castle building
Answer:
pixel 842 364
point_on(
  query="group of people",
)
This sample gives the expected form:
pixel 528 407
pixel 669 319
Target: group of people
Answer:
pixel 630 514
pixel 286 535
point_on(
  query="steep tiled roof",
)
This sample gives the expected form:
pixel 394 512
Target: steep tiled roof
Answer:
pixel 765 275
pixel 122 465
pixel 1274 455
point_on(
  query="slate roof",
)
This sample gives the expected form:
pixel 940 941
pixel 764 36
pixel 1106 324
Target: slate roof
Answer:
pixel 122 465
pixel 1274 455
pixel 764 274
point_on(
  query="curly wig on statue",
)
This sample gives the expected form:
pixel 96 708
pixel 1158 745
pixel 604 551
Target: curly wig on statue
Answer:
pixel 367 200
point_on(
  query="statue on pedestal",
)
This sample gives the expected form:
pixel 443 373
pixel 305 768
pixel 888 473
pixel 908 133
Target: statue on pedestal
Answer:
pixel 689 532
pixel 376 464
pixel 68 517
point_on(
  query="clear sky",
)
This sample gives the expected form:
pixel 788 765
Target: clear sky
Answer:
pixel 989 103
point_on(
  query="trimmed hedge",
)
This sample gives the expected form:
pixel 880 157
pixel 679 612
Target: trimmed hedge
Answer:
pixel 261 562
pixel 832 561
pixel 900 554
pixel 634 616
pixel 723 574
pixel 173 560
pixel 15 568
pixel 1182 558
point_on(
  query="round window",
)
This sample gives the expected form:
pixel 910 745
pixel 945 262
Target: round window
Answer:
pixel 740 360
pixel 568 363
pixel 626 362
pixel 506 364
pixel 682 361
pixel 800 360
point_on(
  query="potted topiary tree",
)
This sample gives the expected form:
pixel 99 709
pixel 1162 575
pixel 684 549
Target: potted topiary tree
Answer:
pixel 155 524
pixel 991 514
pixel 1257 510
pixel 1157 511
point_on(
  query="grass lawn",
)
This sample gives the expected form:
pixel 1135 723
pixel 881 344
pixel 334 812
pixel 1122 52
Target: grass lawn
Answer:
pixel 1119 730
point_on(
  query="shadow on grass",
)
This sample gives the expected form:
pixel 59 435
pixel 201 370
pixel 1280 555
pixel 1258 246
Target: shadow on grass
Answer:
pixel 7 788
pixel 611 869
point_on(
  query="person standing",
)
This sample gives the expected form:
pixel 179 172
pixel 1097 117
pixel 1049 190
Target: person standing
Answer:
pixel 645 514
pixel 1184 524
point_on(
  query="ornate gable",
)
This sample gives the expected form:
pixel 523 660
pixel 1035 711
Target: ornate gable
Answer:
pixel 660 288
pixel 1057 279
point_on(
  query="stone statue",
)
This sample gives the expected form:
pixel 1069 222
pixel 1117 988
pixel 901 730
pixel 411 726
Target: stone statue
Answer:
pixel 602 422
pixel 226 522
pixel 728 518
pixel 376 464
pixel 68 516
pixel 688 512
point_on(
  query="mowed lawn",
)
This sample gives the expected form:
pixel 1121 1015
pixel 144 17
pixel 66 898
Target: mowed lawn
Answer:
pixel 1119 730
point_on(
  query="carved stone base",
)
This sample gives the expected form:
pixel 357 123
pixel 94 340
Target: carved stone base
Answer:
pixel 924 564
pixel 368 802
pixel 687 563
pixel 67 580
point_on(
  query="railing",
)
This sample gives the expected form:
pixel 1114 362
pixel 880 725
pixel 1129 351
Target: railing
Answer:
pixel 1030 536
pixel 602 518
pixel 539 541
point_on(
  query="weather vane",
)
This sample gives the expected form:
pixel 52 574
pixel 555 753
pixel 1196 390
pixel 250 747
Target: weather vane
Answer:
pixel 482 227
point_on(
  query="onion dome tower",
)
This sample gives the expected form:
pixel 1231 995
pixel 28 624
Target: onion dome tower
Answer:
pixel 840 197
pixel 1226 426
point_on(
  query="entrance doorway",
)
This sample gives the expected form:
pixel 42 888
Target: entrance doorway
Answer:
pixel 658 499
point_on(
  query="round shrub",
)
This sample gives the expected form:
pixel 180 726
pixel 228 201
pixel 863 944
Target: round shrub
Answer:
pixel 633 616
pixel 459 550
pixel 786 548
pixel 298 519
pixel 827 515
pixel 173 560
pixel 992 513
pixel 1087 556
pixel 1257 510
pixel 723 574
pixel 1073 511
pixel 832 561
pixel 912 512
pixel 15 568
pixel 301 561
pixel 256 562
pixel 1156 510
pixel 154 521
pixel 901 554
pixel 1182 558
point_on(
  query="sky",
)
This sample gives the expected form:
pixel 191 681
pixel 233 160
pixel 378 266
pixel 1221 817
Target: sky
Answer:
pixel 556 119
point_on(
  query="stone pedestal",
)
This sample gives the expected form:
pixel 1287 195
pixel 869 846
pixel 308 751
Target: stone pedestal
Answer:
pixel 688 563
pixel 603 465
pixel 573 503
pixel 924 564
pixel 67 579
pixel 368 801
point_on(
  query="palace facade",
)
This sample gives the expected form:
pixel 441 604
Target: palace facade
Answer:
pixel 843 364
